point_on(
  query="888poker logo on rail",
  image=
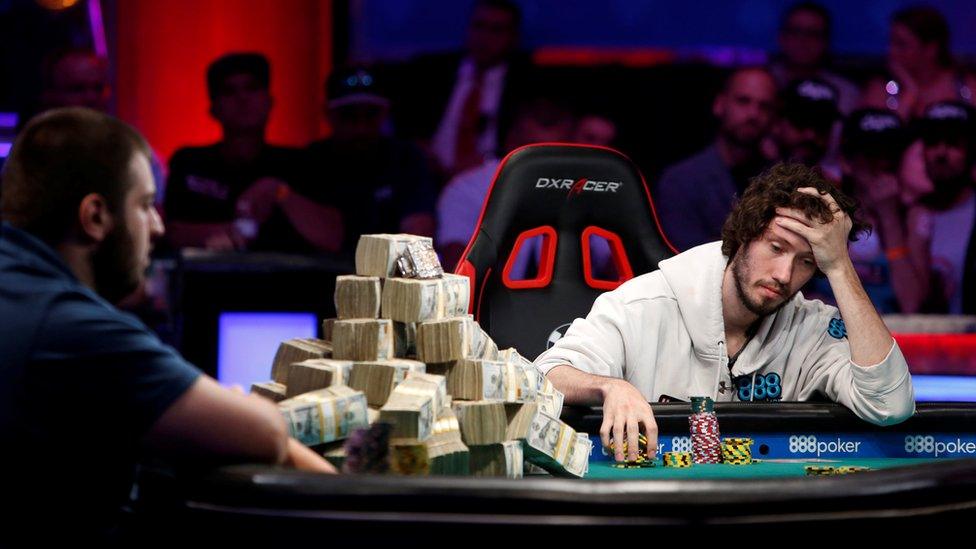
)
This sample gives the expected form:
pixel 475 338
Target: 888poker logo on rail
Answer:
pixel 932 446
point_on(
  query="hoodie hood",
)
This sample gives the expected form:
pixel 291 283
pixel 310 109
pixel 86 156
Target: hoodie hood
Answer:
pixel 695 277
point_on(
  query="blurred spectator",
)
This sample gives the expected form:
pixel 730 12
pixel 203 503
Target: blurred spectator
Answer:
pixel 921 68
pixel 460 203
pixel 237 193
pixel 804 42
pixel 461 104
pixel 379 183
pixel 75 78
pixel 803 130
pixel 873 143
pixel 695 196
pixel 594 128
pixel 78 77
pixel 944 220
pixel 921 71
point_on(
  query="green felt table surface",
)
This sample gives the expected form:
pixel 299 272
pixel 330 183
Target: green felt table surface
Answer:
pixel 768 468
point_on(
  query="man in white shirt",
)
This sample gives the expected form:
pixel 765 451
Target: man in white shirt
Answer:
pixel 726 320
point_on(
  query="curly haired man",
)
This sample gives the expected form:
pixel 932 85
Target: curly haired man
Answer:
pixel 726 320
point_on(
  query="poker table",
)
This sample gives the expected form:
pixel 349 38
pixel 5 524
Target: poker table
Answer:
pixel 922 475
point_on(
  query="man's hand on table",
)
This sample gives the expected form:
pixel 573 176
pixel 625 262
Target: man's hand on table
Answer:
pixel 625 414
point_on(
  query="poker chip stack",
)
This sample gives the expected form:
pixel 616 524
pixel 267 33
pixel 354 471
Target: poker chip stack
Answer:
pixel 677 459
pixel 737 451
pixel 706 446
pixel 641 461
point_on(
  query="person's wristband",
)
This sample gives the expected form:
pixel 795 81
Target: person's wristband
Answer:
pixel 282 193
pixel 894 254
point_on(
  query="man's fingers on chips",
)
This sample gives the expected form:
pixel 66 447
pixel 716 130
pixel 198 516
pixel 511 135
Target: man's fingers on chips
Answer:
pixel 633 446
pixel 618 438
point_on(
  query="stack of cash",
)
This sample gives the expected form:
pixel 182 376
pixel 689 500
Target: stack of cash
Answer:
pixel 362 339
pixel 447 452
pixel 357 296
pixel 377 254
pixel 271 390
pixel 420 300
pixel 550 443
pixel 327 325
pixel 474 379
pixel 497 460
pixel 540 388
pixel 411 408
pixel 482 421
pixel 317 373
pixel 447 340
pixel 297 350
pixel 428 384
pixel 482 346
pixel 437 394
pixel 325 415
pixel 378 378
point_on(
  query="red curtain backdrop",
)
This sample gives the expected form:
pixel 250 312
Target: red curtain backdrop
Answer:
pixel 164 47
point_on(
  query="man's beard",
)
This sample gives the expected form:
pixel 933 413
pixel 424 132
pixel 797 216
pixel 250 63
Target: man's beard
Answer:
pixel 740 274
pixel 744 134
pixel 116 266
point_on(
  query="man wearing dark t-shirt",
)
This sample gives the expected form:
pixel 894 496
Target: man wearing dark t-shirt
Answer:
pixel 85 389
pixel 240 193
pixel 380 184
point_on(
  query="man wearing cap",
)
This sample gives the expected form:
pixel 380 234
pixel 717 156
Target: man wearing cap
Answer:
pixel 874 141
pixel 380 184
pixel 944 219
pixel 696 195
pixel 803 131
pixel 238 193
pixel 804 51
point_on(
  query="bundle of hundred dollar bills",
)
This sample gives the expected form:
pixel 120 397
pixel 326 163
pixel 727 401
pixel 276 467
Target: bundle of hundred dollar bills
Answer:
pixel 404 351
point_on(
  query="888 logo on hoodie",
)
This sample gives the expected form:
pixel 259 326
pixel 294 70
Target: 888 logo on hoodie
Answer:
pixel 761 388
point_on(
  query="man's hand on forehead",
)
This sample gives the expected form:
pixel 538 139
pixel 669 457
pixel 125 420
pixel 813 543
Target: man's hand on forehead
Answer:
pixel 827 240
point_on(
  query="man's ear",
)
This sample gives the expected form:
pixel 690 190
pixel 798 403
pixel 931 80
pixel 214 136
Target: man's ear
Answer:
pixel 94 217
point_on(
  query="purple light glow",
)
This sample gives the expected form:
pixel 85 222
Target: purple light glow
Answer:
pixel 247 343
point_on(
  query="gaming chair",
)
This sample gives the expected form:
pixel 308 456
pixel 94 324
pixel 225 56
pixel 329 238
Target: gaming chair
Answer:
pixel 557 195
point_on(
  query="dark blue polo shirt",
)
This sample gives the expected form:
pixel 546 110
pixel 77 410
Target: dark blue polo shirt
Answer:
pixel 80 385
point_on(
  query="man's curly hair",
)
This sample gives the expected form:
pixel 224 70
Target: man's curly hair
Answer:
pixel 776 188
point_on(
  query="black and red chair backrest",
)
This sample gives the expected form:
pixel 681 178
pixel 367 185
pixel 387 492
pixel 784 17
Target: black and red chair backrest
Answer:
pixel 563 194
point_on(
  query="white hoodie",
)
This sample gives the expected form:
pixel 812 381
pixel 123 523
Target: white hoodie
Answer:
pixel 664 333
